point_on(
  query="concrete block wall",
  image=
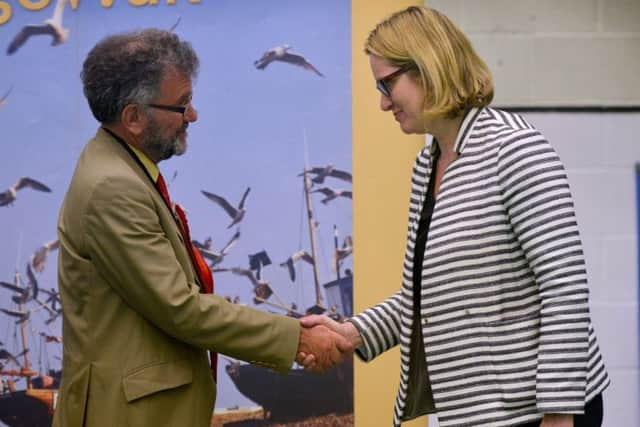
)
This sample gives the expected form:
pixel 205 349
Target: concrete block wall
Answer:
pixel 600 152
pixel 546 53
pixel 555 52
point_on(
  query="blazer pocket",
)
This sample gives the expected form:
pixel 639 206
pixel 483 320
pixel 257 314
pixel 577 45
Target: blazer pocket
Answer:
pixel 155 378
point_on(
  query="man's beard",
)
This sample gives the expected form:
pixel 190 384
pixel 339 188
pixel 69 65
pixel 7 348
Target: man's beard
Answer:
pixel 162 148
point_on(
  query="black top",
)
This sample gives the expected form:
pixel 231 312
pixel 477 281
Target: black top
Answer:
pixel 419 399
pixel 423 234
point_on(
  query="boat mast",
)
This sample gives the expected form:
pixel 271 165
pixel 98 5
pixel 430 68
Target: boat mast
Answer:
pixel 26 369
pixel 319 307
pixel 312 237
pixel 23 335
pixel 335 251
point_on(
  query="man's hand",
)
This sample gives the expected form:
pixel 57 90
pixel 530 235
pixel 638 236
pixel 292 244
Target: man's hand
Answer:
pixel 324 345
pixel 557 420
pixel 346 330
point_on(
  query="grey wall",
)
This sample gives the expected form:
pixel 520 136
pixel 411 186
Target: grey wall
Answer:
pixel 577 53
pixel 552 52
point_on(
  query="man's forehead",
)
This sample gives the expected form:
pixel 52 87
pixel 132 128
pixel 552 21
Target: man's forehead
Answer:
pixel 176 84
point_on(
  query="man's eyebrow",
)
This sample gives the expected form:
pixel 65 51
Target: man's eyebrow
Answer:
pixel 185 98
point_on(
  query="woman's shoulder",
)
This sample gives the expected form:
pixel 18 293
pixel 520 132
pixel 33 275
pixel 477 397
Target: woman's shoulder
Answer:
pixel 500 128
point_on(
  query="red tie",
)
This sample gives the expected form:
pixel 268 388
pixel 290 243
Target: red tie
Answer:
pixel 202 269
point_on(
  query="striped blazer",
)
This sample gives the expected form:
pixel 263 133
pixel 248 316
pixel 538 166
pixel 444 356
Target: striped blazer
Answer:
pixel 504 299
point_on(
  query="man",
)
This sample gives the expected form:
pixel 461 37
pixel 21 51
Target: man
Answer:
pixel 136 324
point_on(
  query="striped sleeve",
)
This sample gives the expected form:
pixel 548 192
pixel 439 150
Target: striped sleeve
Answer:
pixel 379 327
pixel 536 194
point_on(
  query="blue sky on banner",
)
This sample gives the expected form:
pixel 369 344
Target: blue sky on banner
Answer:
pixel 250 133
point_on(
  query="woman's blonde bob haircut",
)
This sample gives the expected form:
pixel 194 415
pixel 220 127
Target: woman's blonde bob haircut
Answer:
pixel 452 74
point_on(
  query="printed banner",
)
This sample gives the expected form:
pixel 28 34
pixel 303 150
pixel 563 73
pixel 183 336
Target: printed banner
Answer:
pixel 273 99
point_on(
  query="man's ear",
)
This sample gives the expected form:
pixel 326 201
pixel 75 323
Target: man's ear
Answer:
pixel 133 119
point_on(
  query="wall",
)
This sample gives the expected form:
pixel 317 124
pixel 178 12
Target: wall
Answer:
pixel 551 52
pixel 382 158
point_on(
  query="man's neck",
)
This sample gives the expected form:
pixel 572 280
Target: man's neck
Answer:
pixel 130 139
pixel 149 165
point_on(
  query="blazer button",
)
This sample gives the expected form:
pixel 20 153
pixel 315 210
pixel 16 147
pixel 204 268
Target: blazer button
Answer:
pixel 425 322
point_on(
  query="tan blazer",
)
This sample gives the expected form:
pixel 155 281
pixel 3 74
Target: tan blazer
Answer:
pixel 135 326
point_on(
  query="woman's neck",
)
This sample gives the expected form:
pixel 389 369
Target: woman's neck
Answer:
pixel 445 132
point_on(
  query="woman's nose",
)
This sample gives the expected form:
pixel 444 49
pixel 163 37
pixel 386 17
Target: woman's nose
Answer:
pixel 385 102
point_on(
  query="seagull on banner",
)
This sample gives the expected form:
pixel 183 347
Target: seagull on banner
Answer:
pixel 22 316
pixel 51 26
pixel 39 257
pixel 7 197
pixel 216 257
pixel 51 338
pixel 331 194
pixel 3 100
pixel 236 214
pixel 300 255
pixel 326 171
pixel 280 53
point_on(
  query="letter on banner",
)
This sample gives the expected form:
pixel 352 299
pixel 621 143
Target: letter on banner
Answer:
pixel 5 12
pixel 34 5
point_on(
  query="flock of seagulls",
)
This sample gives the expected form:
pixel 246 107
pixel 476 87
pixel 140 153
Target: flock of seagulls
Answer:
pixel 321 173
pixel 49 299
pixel 26 294
pixel 262 287
pixel 23 294
pixel 54 28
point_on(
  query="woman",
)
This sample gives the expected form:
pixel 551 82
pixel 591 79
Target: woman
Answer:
pixel 492 317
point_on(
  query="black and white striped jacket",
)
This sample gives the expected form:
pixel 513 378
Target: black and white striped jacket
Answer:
pixel 504 313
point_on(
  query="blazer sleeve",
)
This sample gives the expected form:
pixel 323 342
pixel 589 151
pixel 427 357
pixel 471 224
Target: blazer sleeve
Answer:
pixel 130 249
pixel 536 195
pixel 379 327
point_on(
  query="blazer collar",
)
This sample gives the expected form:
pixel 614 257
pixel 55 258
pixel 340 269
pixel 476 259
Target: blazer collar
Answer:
pixel 463 133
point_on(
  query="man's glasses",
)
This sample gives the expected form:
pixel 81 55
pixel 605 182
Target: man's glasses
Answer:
pixel 182 109
pixel 384 84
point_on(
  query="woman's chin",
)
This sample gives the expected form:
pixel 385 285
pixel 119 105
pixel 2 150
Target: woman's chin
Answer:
pixel 408 129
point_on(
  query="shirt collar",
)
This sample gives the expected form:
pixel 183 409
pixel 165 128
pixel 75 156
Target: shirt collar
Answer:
pixel 151 167
pixel 463 133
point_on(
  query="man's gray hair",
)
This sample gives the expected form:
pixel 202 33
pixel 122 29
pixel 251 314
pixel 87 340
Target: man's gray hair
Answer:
pixel 128 68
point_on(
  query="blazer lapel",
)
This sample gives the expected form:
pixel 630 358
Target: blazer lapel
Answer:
pixel 166 214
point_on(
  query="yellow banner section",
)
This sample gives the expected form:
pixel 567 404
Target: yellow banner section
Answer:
pixel 382 161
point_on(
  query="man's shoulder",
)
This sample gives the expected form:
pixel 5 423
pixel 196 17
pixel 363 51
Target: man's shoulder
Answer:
pixel 104 157
pixel 104 166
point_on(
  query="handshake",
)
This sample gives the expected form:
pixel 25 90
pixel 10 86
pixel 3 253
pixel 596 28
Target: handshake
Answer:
pixel 324 342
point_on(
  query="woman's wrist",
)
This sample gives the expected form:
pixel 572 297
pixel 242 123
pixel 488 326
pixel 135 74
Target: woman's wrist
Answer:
pixel 351 333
